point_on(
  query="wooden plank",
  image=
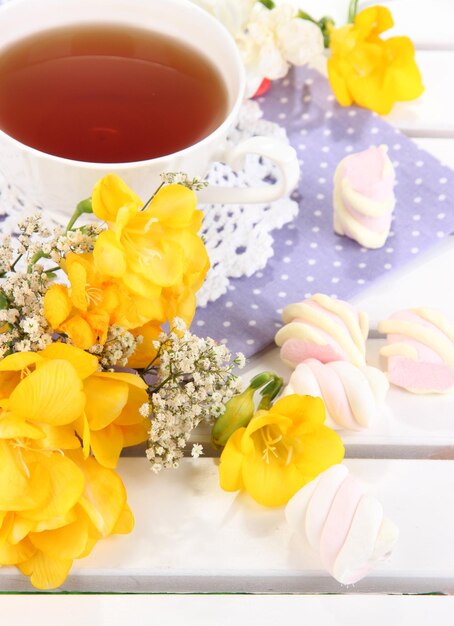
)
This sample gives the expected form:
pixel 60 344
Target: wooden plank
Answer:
pixel 266 610
pixel 431 115
pixel 429 26
pixel 442 149
pixel 191 536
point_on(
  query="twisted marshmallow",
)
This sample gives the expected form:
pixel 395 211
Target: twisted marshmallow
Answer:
pixel 325 329
pixel 420 350
pixel 342 523
pixel 363 197
pixel 352 396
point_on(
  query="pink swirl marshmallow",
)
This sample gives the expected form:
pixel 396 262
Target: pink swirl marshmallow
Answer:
pixel 343 524
pixel 363 197
pixel 420 350
pixel 325 329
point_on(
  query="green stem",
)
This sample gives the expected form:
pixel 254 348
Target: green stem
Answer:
pixel 352 10
pixel 151 197
pixel 35 258
pixel 53 269
pixel 84 206
pixel 269 4
pixel 16 262
pixel 305 16
pixel 325 24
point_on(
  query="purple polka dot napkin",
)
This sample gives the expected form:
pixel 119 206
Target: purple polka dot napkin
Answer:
pixel 308 256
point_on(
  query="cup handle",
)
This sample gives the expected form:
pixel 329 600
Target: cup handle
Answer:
pixel 280 153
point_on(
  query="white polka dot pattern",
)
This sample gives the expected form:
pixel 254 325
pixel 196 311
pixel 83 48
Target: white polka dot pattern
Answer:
pixel 307 252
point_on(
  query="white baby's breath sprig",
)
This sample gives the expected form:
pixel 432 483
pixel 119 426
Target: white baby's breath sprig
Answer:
pixel 23 326
pixel 180 178
pixel 193 381
pixel 118 347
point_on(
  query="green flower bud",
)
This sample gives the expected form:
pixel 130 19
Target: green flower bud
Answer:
pixel 238 412
pixel 3 301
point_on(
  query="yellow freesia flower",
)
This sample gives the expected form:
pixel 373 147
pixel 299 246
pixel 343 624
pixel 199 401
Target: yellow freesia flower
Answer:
pixel 84 310
pixel 373 72
pixel 58 393
pixel 53 510
pixel 156 253
pixel 280 451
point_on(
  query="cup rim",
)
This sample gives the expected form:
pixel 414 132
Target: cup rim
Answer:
pixel 126 165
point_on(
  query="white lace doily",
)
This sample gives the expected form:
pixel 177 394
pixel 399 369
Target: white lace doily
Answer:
pixel 238 237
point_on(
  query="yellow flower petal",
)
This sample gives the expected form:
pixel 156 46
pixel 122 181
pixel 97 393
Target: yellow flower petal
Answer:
pixel 57 305
pixel 105 401
pixel 23 483
pixel 166 267
pixel 20 528
pixel 104 497
pixel 374 20
pixel 270 484
pixel 52 394
pixel 173 205
pixel 85 364
pixel 130 414
pixel 16 554
pixel 301 409
pixel 12 427
pixel 79 331
pixel 136 433
pixel 321 449
pixel 109 256
pixel 55 522
pixel 107 444
pixel 145 351
pixel 6 524
pixel 19 361
pixel 65 487
pixel 77 275
pixel 230 465
pixel 45 572
pixel 65 543
pixel 125 523
pixel 109 194
pixel 83 430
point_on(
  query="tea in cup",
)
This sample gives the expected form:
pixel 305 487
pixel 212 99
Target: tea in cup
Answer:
pixel 136 88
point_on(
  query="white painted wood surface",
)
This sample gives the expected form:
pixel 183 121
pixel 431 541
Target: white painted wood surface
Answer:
pixel 222 610
pixel 191 536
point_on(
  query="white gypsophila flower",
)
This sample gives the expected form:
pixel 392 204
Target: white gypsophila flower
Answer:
pixel 197 450
pixel 193 380
pixel 180 178
pixel 144 410
pixel 24 326
pixel 120 344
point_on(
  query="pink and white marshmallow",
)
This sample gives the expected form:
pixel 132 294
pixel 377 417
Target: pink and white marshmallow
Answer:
pixel 363 197
pixel 353 396
pixel 420 350
pixel 325 329
pixel 343 524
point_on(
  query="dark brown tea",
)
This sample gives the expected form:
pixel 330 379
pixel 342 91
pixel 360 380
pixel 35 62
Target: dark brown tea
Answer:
pixel 108 94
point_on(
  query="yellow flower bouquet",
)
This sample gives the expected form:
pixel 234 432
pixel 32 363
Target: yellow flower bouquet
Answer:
pixel 96 356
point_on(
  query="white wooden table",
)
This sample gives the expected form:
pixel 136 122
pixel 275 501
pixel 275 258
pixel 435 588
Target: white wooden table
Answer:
pixel 192 537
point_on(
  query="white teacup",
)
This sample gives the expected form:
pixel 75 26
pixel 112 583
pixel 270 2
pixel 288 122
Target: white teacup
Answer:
pixel 56 184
